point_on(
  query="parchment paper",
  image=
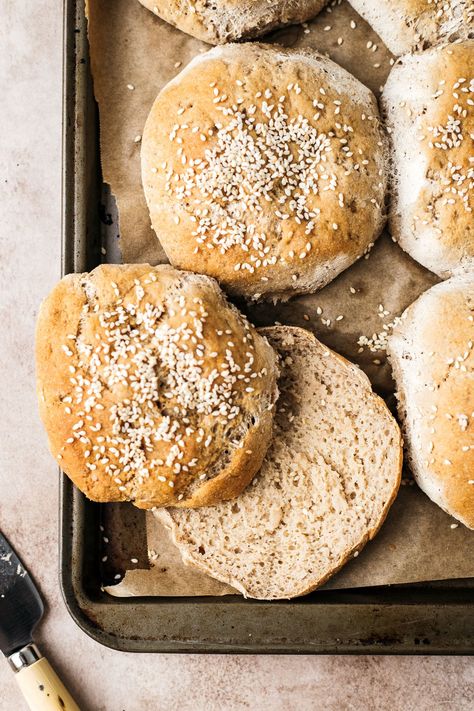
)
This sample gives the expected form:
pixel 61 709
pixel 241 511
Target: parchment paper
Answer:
pixel 133 54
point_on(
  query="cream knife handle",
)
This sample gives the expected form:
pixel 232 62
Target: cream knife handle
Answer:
pixel 42 688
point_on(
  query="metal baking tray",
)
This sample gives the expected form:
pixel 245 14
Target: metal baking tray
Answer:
pixel 433 618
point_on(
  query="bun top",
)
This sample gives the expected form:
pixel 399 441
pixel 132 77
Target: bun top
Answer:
pixel 432 350
pixel 407 25
pixel 145 376
pixel 265 168
pixel 429 99
pixel 230 20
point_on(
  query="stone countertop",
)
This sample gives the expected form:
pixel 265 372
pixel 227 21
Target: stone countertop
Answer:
pixel 101 679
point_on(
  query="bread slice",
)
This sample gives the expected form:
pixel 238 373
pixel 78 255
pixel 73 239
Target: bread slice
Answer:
pixel 432 355
pixel 330 475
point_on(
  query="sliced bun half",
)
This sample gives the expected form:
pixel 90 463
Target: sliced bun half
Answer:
pixel 326 484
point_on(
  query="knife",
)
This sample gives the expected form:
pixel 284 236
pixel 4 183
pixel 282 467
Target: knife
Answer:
pixel 21 608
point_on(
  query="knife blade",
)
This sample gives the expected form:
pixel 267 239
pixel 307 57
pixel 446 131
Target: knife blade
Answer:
pixel 21 608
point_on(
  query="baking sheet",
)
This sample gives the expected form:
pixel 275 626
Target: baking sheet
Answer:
pixel 133 54
pixel 434 547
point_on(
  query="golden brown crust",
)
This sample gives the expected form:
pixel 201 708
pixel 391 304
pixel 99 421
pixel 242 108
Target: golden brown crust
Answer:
pixel 433 358
pixel 429 101
pixel 230 20
pixel 235 478
pixel 145 375
pixel 229 201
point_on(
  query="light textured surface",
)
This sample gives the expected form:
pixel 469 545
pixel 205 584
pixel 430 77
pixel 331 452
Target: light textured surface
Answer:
pixel 103 680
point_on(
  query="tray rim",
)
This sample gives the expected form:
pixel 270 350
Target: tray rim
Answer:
pixel 434 627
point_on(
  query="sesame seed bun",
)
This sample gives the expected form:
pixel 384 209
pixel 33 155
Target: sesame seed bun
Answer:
pixel 230 20
pixel 265 168
pixel 432 355
pixel 407 25
pixel 429 105
pixel 152 387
